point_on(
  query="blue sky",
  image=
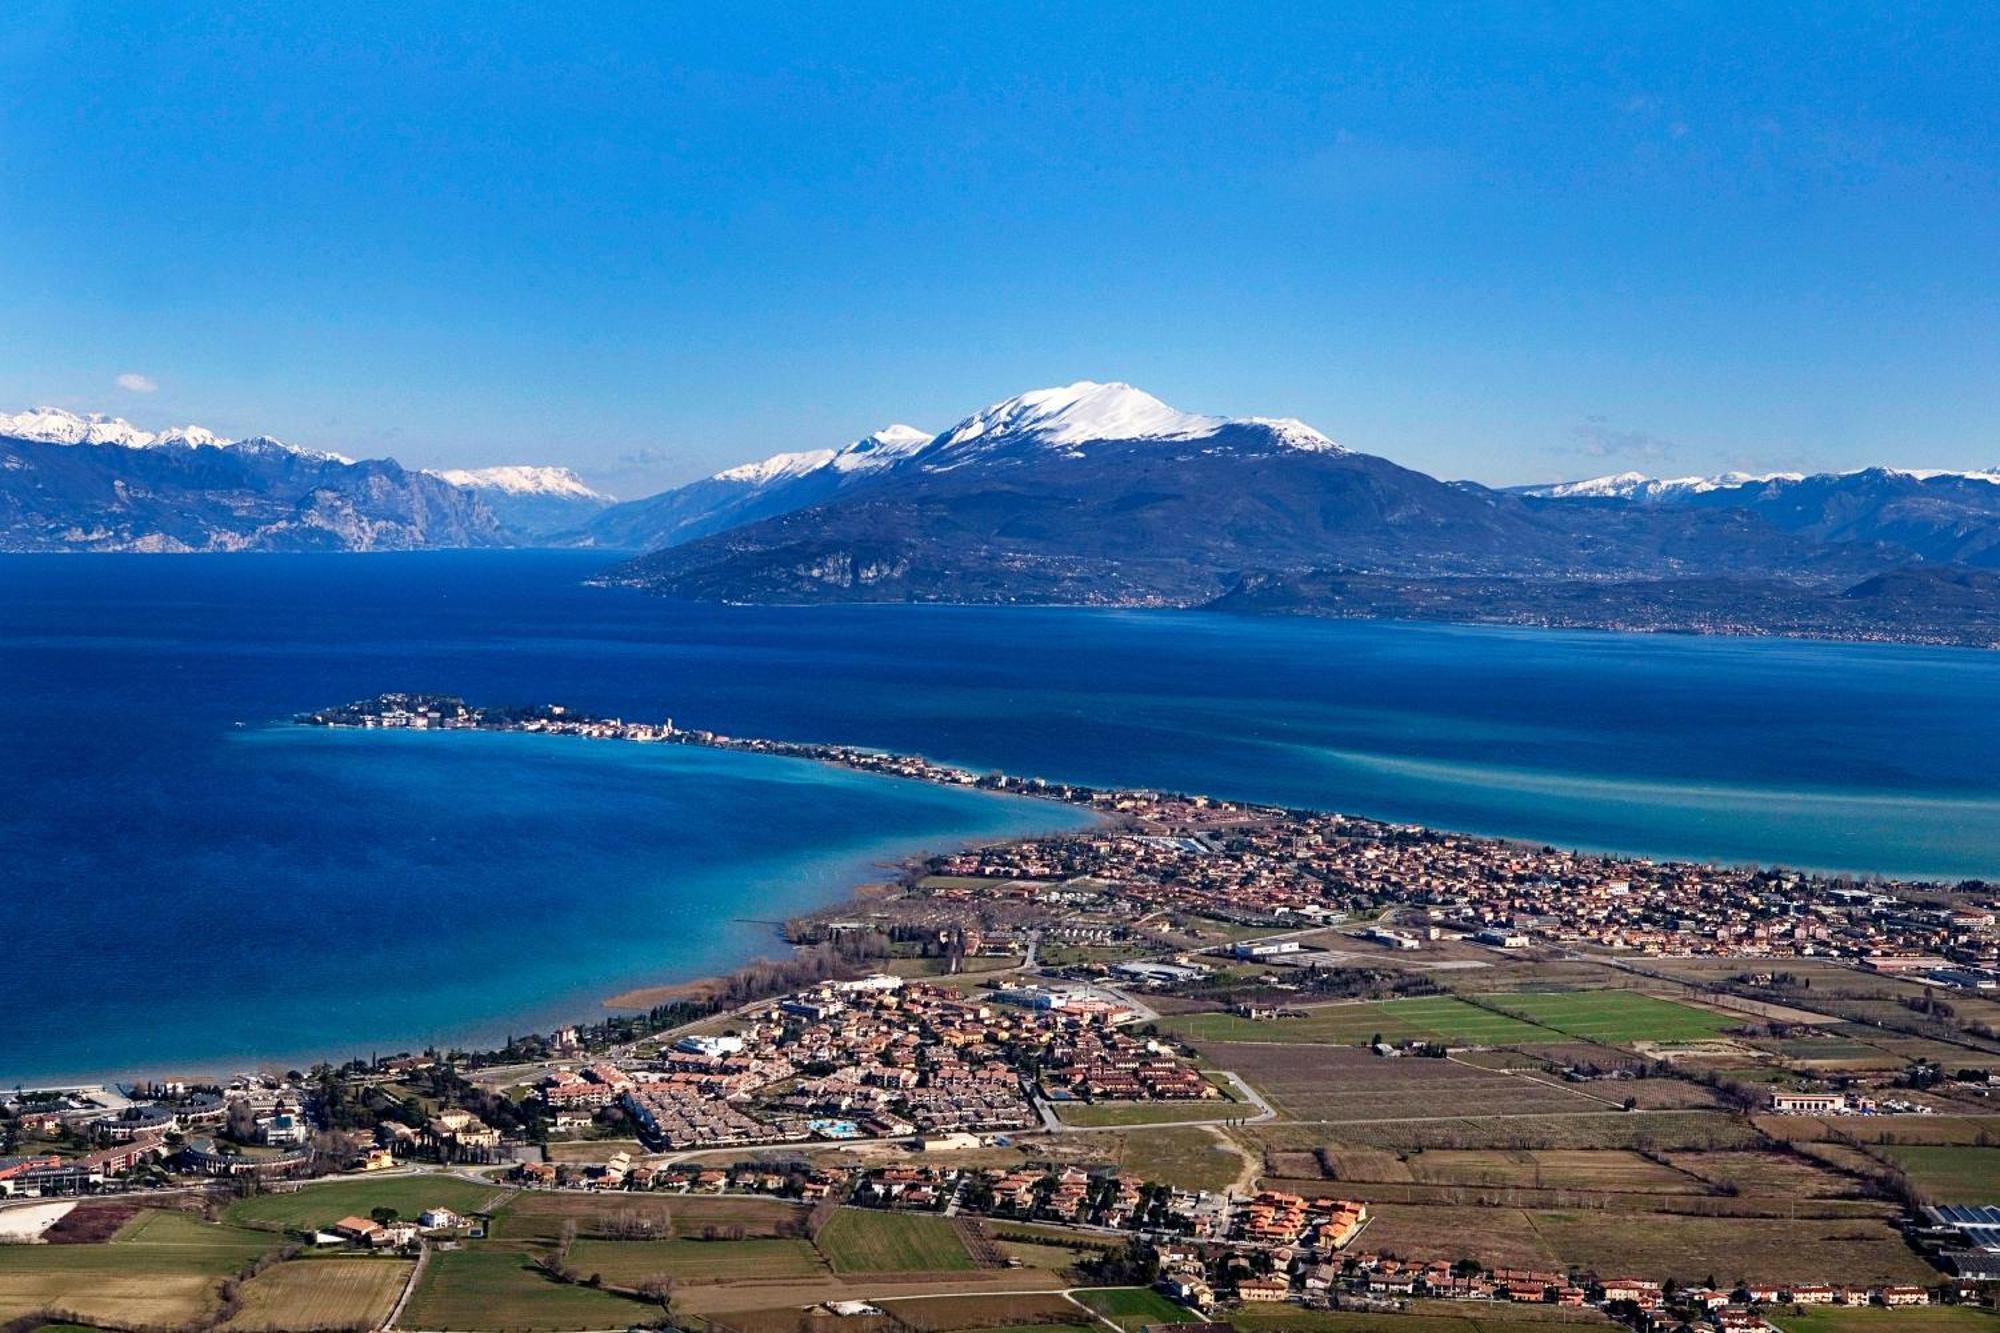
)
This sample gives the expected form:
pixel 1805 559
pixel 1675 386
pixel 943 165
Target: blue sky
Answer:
pixel 1509 243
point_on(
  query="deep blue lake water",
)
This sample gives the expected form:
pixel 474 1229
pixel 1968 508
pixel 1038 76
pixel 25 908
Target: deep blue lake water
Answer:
pixel 187 892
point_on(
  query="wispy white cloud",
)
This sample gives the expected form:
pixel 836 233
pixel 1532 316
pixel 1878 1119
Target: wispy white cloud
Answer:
pixel 133 382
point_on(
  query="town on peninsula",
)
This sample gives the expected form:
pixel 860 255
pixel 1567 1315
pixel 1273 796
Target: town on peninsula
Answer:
pixel 1199 1061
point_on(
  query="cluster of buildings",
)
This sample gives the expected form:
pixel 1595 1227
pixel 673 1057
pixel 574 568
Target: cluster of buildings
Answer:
pixel 880 1058
pixel 1279 867
pixel 86 1140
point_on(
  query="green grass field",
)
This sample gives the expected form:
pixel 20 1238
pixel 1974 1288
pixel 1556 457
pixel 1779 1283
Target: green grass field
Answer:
pixel 862 1240
pixel 1950 1174
pixel 161 1269
pixel 498 1289
pixel 323 1205
pixel 1134 1307
pixel 1424 1018
pixel 1614 1015
pixel 1867 1319
pixel 630 1262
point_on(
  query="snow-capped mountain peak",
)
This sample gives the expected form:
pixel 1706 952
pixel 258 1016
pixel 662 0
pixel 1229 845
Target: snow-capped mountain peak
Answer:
pixel 1075 413
pixel 1639 486
pixel 522 479
pixel 55 425
pixel 777 467
pixel 884 448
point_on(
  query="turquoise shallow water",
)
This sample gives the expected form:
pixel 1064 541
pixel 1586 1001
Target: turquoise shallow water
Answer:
pixel 190 890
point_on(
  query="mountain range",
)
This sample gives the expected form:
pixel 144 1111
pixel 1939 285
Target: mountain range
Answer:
pixel 1088 493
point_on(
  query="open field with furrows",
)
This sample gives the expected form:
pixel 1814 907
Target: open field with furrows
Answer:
pixel 307 1294
pixel 1652 1245
pixel 1762 1249
pixel 499 1289
pixel 539 1216
pixel 1558 1168
pixel 628 1263
pixel 1773 1175
pixel 1440 1018
pixel 1970 1130
pixel 1950 1174
pixel 1720 1184
pixel 948 1314
pixel 162 1268
pixel 1498 1237
pixel 1650 1130
pixel 315 1206
pixel 1623 1203
pixel 861 1240
pixel 1332 1083
pixel 1615 1016
pixel 1424 1317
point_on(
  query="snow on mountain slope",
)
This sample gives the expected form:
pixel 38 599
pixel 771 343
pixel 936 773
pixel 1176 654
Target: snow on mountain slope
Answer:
pixel 523 479
pixel 885 448
pixel 870 453
pixel 54 425
pixel 778 467
pixel 1639 486
pixel 1078 414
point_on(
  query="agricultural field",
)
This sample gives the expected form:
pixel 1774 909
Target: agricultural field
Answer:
pixel 539 1216
pixel 1328 1083
pixel 1616 1016
pixel 1665 1131
pixel 322 1205
pixel 592 1150
pixel 1966 1130
pixel 949 1314
pixel 1762 1249
pixel 862 1240
pixel 1950 1174
pixel 1195 1159
pixel 1766 1174
pixel 163 1268
pixel 1133 1307
pixel 1501 1237
pixel 1100 1114
pixel 321 1293
pixel 1441 1018
pixel 631 1262
pixel 1867 1319
pixel 1602 1169
pixel 491 1289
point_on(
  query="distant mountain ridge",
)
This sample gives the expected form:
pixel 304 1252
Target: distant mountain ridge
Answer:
pixel 748 492
pixel 1937 515
pixel 95 483
pixel 1101 494
pixel 532 502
